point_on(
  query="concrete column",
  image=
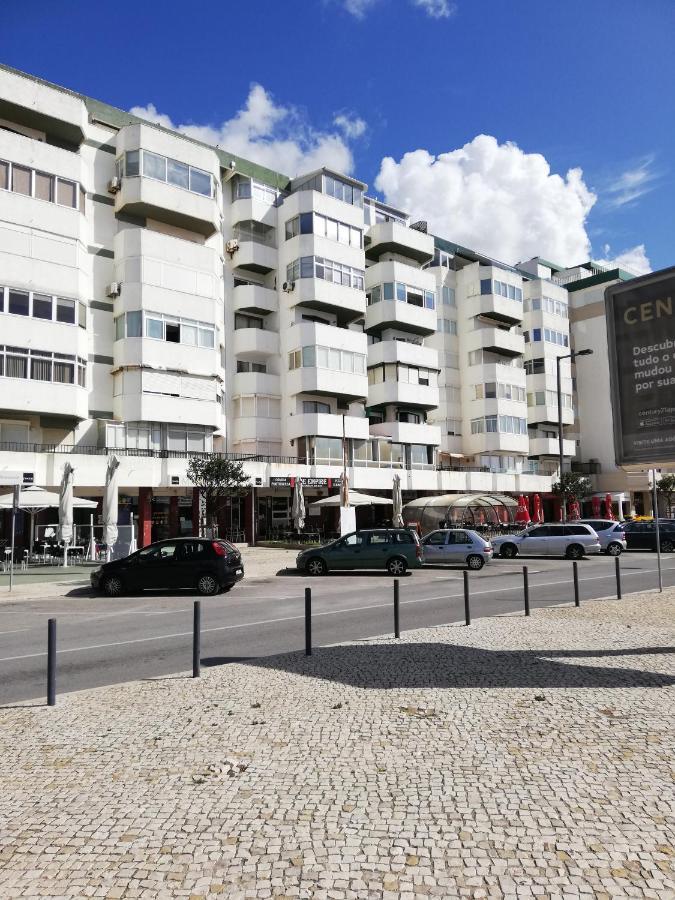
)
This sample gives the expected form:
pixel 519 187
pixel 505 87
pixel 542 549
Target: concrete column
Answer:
pixel 248 516
pixel 144 517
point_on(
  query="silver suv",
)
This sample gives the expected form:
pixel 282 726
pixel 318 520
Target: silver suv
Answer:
pixel 610 533
pixel 571 540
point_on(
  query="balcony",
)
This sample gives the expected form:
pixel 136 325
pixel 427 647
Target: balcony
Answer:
pixel 255 257
pixel 255 428
pixel 254 342
pixel 25 397
pixel 256 383
pixel 250 209
pixel 165 355
pixel 326 425
pixel 407 433
pixel 392 237
pixel 546 414
pixel 328 383
pixel 40 106
pixel 347 303
pixel 140 407
pixel 404 316
pixel 402 352
pixel 495 340
pixel 153 199
pixel 496 442
pixel 502 309
pixel 418 396
pixel 254 298
pixel 547 446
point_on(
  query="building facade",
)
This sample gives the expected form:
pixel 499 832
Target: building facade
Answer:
pixel 162 298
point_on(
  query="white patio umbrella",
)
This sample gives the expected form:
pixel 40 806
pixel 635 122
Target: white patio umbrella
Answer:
pixel 110 503
pixel 355 499
pixel 35 499
pixel 66 510
pixel 298 508
pixel 397 501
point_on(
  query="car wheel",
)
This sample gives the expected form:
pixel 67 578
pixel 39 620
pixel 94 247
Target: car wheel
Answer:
pixel 112 586
pixel 207 585
pixel 574 551
pixel 508 551
pixel 316 566
pixel 667 546
pixel 397 566
pixel 475 562
pixel 614 549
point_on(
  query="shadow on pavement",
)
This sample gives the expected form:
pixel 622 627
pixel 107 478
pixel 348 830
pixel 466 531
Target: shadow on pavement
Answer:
pixel 436 665
pixel 351 573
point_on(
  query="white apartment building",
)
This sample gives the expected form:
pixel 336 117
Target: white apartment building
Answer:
pixel 161 297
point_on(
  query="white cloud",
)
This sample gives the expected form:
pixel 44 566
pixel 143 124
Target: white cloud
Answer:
pixel 279 137
pixel 633 260
pixel 358 8
pixel 632 184
pixel 352 126
pixel 436 9
pixel 494 198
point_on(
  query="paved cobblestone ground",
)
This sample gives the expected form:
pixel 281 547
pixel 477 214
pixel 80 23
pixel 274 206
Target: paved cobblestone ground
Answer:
pixel 514 758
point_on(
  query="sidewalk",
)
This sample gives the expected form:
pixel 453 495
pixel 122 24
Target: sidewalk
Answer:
pixel 514 758
pixel 261 565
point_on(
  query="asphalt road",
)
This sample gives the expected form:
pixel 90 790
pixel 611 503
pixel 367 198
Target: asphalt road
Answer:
pixel 103 641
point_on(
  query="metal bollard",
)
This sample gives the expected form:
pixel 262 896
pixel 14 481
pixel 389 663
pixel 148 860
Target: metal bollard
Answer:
pixel 397 623
pixel 196 638
pixel 575 572
pixel 51 662
pixel 618 577
pixel 526 588
pixel 308 621
pixel 467 610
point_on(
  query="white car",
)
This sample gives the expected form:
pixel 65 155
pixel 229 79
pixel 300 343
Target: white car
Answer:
pixel 571 540
pixel 456 545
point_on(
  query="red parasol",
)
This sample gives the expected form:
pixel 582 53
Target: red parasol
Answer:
pixel 538 512
pixel 522 513
pixel 609 512
pixel 595 503
pixel 574 511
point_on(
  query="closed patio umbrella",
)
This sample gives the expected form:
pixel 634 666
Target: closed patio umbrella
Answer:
pixel 595 504
pixel 298 508
pixel 609 512
pixel 110 503
pixel 522 513
pixel 397 501
pixel 66 510
pixel 538 512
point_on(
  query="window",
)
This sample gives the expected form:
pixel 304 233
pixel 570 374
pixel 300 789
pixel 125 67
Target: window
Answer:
pixel 243 321
pixel 448 296
pixel 42 306
pixel 172 171
pixel 245 366
pixel 328 450
pixel 328 358
pixel 315 406
pixel 18 304
pixel 65 310
pixel 446 326
pixel 41 185
pixel 41 365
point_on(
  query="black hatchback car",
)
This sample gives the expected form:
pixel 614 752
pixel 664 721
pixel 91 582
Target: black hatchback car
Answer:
pixel 642 535
pixel 198 564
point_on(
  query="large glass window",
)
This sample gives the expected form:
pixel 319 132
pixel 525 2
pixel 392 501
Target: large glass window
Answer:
pixel 19 303
pixel 326 269
pixel 21 180
pixel 315 406
pixel 41 185
pixel 42 365
pixel 42 306
pixel 328 358
pixel 172 171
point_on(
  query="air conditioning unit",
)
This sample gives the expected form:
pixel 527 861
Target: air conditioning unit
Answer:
pixel 114 185
pixel 232 246
pixel 113 289
pixel 288 286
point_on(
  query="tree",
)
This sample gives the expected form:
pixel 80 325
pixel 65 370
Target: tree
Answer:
pixel 217 478
pixel 665 486
pixel 571 486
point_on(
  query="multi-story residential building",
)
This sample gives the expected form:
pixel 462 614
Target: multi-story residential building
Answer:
pixel 161 297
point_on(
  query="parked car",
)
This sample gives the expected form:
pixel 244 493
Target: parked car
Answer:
pixel 610 533
pixel 642 535
pixel 393 549
pixel 205 566
pixel 456 545
pixel 571 540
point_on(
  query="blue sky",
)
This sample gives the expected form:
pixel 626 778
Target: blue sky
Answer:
pixel 571 85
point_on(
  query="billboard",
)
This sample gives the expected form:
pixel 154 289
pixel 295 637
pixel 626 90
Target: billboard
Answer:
pixel 640 318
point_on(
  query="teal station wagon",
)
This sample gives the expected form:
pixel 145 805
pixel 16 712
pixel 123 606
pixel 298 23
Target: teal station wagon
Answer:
pixel 392 549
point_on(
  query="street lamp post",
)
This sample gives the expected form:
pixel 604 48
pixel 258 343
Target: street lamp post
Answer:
pixel 571 356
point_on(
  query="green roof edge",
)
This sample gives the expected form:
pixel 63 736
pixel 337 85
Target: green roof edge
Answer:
pixel 600 278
